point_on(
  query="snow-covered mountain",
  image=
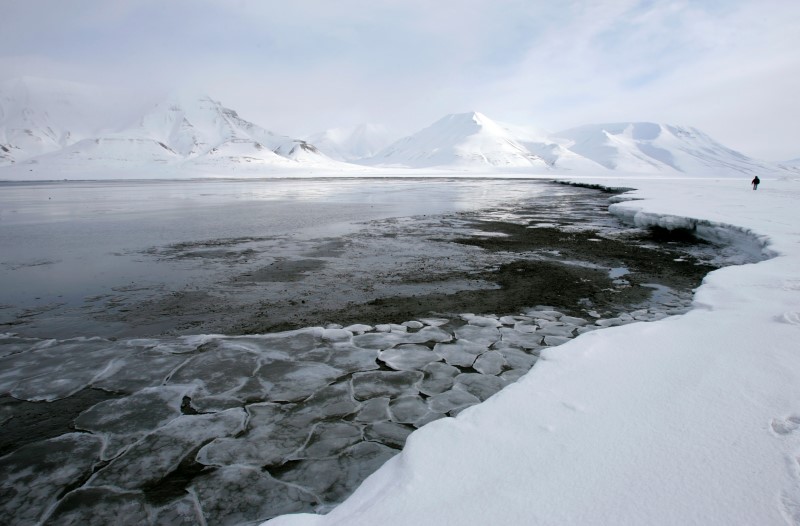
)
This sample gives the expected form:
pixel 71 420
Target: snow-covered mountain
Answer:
pixel 191 130
pixel 351 144
pixel 55 124
pixel 38 116
pixel 51 127
pixel 791 164
pixel 474 140
pixel 459 140
pixel 646 147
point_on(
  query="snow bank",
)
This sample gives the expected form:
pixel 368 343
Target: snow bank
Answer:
pixel 694 419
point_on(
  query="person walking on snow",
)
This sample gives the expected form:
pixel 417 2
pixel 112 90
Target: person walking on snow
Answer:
pixel 755 182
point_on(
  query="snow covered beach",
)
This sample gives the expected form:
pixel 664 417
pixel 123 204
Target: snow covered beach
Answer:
pixel 694 419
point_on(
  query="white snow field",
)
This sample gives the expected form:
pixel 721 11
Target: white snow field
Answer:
pixel 694 419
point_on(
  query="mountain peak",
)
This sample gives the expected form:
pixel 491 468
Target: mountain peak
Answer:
pixel 460 139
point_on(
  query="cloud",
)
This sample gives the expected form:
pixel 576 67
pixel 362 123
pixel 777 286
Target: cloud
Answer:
pixel 730 68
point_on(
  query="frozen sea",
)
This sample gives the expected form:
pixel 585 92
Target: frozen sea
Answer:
pixel 116 402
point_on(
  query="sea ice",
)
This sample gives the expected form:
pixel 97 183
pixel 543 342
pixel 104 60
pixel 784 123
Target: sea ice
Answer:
pixel 387 340
pixel 235 495
pixel 329 438
pixel 28 375
pixel 273 432
pixel 350 359
pixel 490 362
pixel 408 357
pixel 439 377
pixel 160 452
pixel 218 371
pixel 571 320
pixel 552 341
pixel 557 329
pixel 374 410
pixel 547 314
pixel 460 353
pixel 477 334
pixel 390 433
pixel 358 328
pixel 333 401
pixel 515 357
pixel 410 409
pixel 514 320
pixel 371 384
pixel 182 512
pixel 101 506
pixel 123 421
pixel 434 322
pixel 336 335
pixel 480 385
pixel 483 321
pixel 453 400
pixel 512 375
pixel 379 340
pixel 331 480
pixel 33 476
pixel 287 381
pixel 136 369
pixel 292 343
pixel 525 327
pixel 429 334
pixel 524 339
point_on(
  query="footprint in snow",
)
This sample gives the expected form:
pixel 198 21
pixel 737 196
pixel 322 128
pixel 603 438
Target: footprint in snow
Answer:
pixel 784 426
pixel 791 317
pixel 790 499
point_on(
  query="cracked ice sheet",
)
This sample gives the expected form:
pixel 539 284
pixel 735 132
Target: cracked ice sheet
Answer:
pixel 160 452
pixel 32 477
pixel 29 375
pixel 123 421
pixel 613 429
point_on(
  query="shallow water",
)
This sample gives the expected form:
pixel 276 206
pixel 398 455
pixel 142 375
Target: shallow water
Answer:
pixel 64 244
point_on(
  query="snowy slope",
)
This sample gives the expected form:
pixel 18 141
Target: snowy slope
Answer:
pixel 694 419
pixel 196 131
pixel 54 128
pixel 645 147
pixel 552 149
pixel 459 140
pixel 791 164
pixel 38 116
pixel 351 144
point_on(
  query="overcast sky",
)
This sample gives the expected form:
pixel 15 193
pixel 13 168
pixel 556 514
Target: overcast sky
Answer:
pixel 728 67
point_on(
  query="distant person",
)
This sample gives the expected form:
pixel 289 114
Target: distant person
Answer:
pixel 755 182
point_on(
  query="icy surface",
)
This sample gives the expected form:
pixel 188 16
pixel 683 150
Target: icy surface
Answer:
pixel 693 419
pixel 247 427
pixel 32 477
